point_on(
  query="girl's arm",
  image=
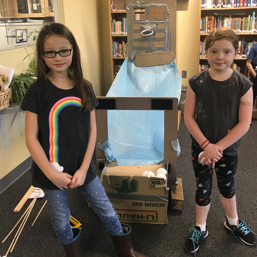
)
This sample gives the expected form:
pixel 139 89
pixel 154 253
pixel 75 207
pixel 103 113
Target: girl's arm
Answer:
pixel 189 116
pixel 60 179
pixel 250 67
pixel 79 177
pixel 212 151
pixel 245 116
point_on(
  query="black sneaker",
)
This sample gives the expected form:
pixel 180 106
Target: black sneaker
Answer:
pixel 196 238
pixel 241 232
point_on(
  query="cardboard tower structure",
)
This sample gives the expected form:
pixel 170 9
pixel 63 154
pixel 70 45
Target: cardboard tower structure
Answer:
pixel 151 41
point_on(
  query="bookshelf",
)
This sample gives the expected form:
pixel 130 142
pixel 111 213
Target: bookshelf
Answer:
pixel 239 15
pixel 118 37
pixel 238 18
pixel 118 34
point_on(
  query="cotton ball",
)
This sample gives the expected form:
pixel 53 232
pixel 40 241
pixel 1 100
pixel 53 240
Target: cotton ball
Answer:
pixel 148 174
pixel 160 175
pixel 161 171
pixel 199 158
pixel 56 166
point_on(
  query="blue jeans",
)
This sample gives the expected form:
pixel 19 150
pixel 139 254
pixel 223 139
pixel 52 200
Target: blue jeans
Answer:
pixel 95 194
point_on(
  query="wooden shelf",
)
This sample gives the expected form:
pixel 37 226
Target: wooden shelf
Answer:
pixel 123 11
pixel 236 59
pixel 10 109
pixel 226 9
pixel 240 34
pixel 119 35
pixel 117 11
pixel 116 62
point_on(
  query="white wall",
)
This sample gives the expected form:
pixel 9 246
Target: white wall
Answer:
pixel 82 17
pixel 16 152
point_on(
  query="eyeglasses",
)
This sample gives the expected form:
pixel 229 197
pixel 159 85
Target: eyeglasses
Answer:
pixel 62 53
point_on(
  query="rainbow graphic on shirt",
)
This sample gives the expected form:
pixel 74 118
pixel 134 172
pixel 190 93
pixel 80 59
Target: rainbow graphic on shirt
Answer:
pixel 54 124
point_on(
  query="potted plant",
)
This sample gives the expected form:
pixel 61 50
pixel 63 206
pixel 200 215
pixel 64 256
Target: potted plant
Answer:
pixel 19 86
pixel 20 83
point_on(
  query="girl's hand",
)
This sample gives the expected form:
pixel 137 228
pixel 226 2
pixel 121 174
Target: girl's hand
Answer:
pixel 78 179
pixel 212 153
pixel 61 179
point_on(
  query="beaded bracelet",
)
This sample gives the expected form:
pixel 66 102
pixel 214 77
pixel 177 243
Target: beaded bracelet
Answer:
pixel 204 142
pixel 206 145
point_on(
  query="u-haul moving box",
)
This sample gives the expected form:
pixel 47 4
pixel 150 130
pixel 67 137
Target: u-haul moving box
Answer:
pixel 136 198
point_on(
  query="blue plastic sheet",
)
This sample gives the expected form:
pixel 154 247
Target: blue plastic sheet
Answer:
pixel 137 137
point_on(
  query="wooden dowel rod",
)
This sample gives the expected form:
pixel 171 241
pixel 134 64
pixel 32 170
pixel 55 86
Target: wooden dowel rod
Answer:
pixel 25 220
pixel 16 223
pixel 26 216
pixel 18 231
pixel 24 199
pixel 39 213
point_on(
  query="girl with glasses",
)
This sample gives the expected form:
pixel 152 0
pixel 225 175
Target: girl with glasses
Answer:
pixel 60 130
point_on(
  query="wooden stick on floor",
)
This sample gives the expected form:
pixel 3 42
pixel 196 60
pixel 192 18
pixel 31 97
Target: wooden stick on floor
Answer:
pixel 21 227
pixel 17 223
pixel 39 213
pixel 24 199
pixel 35 199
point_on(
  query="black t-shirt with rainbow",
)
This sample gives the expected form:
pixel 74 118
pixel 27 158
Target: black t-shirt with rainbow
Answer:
pixel 63 129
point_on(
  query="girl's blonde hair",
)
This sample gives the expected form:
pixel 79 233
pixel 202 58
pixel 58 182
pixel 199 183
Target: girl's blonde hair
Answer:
pixel 222 34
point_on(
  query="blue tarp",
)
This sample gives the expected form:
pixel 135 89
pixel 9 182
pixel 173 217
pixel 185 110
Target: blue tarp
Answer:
pixel 137 137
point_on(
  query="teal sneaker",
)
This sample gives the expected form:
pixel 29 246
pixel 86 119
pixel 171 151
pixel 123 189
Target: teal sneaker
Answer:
pixel 195 239
pixel 241 232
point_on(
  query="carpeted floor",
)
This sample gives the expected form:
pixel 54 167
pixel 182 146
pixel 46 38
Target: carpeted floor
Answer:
pixel 153 240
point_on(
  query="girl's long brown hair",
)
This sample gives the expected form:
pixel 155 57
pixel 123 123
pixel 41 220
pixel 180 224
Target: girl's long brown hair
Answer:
pixel 75 69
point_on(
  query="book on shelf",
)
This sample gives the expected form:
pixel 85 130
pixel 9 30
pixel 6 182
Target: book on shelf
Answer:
pixel 30 6
pixel 119 27
pixel 119 49
pixel 207 4
pixel 116 69
pixel 243 48
pixel 238 24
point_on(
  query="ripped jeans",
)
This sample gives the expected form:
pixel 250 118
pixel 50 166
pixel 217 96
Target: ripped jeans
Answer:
pixel 95 195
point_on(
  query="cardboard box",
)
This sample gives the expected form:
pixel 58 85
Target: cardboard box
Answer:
pixel 137 198
pixel 153 58
pixel 177 196
pixel 140 211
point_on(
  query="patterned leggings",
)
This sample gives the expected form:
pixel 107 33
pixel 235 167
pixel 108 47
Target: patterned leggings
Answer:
pixel 225 171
